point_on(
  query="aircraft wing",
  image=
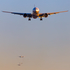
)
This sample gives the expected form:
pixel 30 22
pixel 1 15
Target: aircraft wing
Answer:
pixel 46 14
pixel 56 12
pixel 24 14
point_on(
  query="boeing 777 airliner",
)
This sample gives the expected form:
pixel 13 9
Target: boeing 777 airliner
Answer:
pixel 35 13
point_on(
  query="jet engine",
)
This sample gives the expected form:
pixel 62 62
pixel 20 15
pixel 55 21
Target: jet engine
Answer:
pixel 25 15
pixel 46 15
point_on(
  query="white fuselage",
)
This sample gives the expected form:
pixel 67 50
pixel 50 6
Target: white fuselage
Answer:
pixel 35 12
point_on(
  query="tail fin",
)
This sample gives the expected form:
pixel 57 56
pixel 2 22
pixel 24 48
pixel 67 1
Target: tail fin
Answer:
pixel 34 5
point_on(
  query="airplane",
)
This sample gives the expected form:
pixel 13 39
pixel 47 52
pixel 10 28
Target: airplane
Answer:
pixel 20 64
pixel 21 56
pixel 35 14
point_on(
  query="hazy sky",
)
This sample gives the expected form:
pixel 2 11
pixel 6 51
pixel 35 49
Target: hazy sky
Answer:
pixel 45 44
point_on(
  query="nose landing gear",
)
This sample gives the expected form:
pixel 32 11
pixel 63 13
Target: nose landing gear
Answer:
pixel 41 19
pixel 29 19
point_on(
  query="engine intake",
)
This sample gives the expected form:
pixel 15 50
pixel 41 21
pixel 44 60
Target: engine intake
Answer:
pixel 46 15
pixel 25 15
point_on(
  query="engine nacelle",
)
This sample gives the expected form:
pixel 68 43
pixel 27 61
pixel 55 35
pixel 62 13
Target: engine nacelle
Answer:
pixel 25 15
pixel 46 15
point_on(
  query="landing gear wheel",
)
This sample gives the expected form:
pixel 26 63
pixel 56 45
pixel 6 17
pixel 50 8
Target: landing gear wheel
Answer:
pixel 41 19
pixel 29 19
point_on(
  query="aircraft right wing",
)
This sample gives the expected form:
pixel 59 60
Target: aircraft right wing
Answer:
pixel 24 14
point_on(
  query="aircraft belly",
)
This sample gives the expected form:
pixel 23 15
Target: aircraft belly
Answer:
pixel 34 17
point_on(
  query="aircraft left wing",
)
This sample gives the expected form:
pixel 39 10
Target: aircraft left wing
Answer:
pixel 56 12
pixel 46 14
pixel 24 14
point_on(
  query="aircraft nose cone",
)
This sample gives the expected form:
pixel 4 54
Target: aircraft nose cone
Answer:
pixel 35 10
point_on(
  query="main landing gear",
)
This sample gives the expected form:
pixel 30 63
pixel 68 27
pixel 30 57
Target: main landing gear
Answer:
pixel 30 19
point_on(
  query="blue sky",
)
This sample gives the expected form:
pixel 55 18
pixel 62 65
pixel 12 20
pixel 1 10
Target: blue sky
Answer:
pixel 45 44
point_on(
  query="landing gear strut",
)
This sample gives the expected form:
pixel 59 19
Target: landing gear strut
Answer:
pixel 41 19
pixel 29 19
